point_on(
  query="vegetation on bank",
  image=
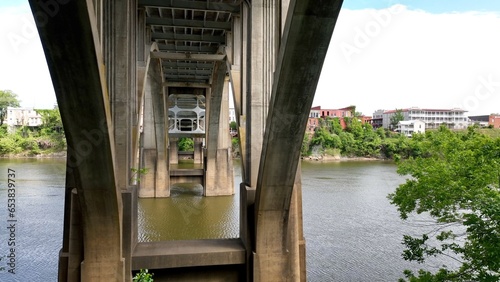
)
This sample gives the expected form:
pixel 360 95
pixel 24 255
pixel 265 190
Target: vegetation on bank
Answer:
pixel 357 140
pixel 30 141
pixel 455 179
pixel 361 140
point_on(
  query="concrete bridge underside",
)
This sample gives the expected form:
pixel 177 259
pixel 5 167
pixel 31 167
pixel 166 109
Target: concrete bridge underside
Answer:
pixel 115 65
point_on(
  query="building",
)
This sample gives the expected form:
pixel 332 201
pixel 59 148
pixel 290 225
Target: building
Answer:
pixel 318 113
pixel 408 127
pixel 332 113
pixel 17 117
pixel 492 120
pixel 313 120
pixel 387 115
pixel 232 115
pixel 433 118
pixel 376 120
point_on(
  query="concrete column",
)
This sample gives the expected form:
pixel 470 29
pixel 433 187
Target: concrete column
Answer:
pixel 130 233
pixel 162 176
pixel 219 170
pixel 75 240
pixel 174 151
pixel 90 137
pixel 148 158
pixel 265 40
pixel 120 67
pixel 255 118
pixel 68 196
pixel 198 150
pixel 277 238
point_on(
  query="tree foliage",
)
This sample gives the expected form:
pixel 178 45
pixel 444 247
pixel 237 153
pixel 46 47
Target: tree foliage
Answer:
pixel 455 178
pixel 186 144
pixel 396 118
pixel 143 276
pixel 7 99
pixel 233 125
pixel 51 120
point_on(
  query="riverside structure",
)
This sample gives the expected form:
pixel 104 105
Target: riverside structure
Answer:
pixel 131 76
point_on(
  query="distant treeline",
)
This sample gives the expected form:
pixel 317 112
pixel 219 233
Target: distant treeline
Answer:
pixel 361 140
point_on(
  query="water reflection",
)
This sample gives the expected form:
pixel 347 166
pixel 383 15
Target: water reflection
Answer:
pixel 187 214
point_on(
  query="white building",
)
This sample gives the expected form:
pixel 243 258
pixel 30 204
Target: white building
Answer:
pixel 408 127
pixel 315 112
pixel 22 117
pixel 433 118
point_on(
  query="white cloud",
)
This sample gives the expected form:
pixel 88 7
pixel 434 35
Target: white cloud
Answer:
pixel 24 69
pixel 412 58
pixel 402 58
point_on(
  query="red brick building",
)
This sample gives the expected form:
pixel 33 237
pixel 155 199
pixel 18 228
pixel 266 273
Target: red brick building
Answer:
pixel 318 113
pixel 494 120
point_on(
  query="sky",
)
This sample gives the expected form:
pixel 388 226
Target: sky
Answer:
pixel 384 54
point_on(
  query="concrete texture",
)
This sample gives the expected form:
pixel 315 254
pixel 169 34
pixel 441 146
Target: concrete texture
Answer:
pixel 189 253
pixel 292 95
pixel 218 159
pixel 80 87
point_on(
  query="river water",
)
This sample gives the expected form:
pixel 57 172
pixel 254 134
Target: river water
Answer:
pixel 352 232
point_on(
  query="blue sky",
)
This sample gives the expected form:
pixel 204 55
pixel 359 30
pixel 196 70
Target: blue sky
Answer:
pixel 11 3
pixel 432 6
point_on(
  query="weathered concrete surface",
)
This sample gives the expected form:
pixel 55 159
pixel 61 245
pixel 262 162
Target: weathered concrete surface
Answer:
pixel 120 62
pixel 75 252
pixel 192 175
pixel 198 150
pixel 189 253
pixel 174 151
pixel 219 170
pixel 160 168
pixel 297 73
pixel 71 45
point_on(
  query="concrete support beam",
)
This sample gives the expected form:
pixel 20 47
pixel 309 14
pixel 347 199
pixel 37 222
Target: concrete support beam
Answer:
pixel 265 38
pixel 120 63
pixel 174 151
pixel 119 41
pixel 293 92
pixel 189 253
pixel 155 183
pixel 148 156
pixel 75 252
pixel 80 87
pixel 162 185
pixel 187 56
pixel 219 171
pixel 198 150
pixel 68 198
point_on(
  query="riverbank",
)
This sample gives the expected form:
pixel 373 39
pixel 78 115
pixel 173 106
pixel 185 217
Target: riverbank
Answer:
pixel 327 158
pixel 42 155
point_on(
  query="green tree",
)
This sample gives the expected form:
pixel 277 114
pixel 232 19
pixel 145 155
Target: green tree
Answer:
pixel 336 126
pixel 381 132
pixel 186 144
pixel 7 99
pixel 356 128
pixel 143 276
pixel 456 180
pixel 51 119
pixel 233 125
pixel 396 118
